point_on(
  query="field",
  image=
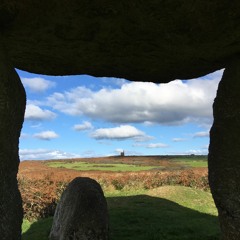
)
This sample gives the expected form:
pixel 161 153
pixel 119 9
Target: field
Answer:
pixel 160 197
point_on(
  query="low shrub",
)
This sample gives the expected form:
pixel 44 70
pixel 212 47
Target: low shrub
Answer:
pixel 40 196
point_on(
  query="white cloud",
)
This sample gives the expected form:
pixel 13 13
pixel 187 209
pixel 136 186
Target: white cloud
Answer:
pixel 197 151
pixel 84 126
pixel 178 139
pixel 37 84
pixel 46 135
pixel 44 154
pixel 112 80
pixel 192 151
pixel 143 138
pixel 174 103
pixel 35 113
pixel 157 145
pixel 201 134
pixel 118 133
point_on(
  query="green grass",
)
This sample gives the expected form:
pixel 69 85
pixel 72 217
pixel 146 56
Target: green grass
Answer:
pixel 197 161
pixel 25 226
pixel 115 167
pixel 191 198
pixel 36 230
pixel 169 213
pixel 182 161
pixel 193 163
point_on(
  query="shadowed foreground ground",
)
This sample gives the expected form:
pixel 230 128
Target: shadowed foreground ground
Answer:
pixel 144 217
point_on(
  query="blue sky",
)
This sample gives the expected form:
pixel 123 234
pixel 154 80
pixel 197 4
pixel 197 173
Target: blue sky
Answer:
pixel 84 116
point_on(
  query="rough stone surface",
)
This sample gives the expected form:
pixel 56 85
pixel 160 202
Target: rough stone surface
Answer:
pixel 224 152
pixel 81 213
pixel 139 40
pixel 12 107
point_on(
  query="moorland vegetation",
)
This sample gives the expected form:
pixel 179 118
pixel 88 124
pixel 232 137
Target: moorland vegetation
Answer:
pixel 148 197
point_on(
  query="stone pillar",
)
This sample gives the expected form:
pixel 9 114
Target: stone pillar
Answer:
pixel 224 152
pixel 12 107
pixel 82 212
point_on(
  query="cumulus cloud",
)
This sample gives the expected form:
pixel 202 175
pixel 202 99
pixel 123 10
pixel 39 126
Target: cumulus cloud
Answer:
pixel 37 84
pixel 157 145
pixel 201 134
pixel 46 135
pixel 44 154
pixel 178 139
pixel 174 103
pixel 35 113
pixel 84 126
pixel 118 133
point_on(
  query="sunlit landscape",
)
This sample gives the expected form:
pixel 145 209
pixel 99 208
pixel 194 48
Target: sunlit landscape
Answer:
pixel 149 197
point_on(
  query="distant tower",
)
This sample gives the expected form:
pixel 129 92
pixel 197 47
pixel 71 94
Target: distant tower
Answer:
pixel 122 154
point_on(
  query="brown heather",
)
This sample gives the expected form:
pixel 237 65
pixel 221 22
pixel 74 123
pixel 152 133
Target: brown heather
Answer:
pixel 42 186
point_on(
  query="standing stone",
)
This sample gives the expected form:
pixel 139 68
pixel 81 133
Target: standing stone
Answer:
pixel 81 213
pixel 224 152
pixel 12 108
